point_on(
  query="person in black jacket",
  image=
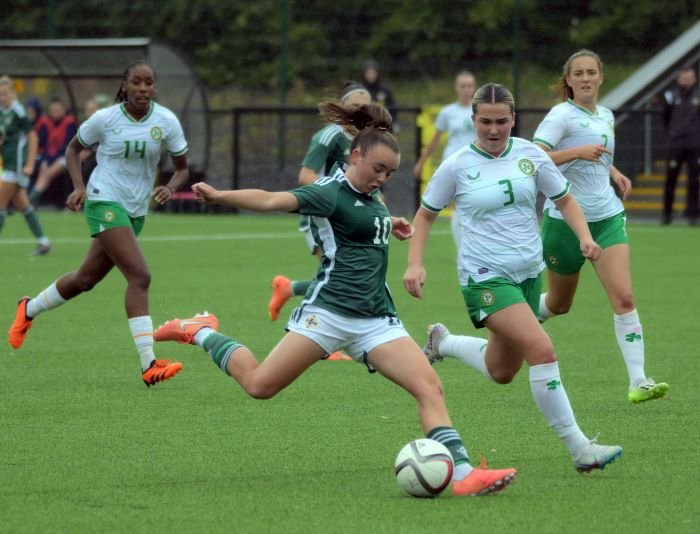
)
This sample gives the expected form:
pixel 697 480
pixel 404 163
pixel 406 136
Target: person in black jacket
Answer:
pixel 682 119
pixel 380 93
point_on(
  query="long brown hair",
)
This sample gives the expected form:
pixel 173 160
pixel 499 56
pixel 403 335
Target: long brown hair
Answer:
pixel 561 87
pixel 368 124
pixel 493 93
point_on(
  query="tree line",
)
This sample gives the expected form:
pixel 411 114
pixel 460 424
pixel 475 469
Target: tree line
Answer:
pixel 248 42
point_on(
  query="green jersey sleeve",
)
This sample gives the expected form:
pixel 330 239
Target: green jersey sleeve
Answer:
pixel 318 199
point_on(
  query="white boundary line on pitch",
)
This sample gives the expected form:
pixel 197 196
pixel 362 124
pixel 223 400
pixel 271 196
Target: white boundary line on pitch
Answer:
pixel 184 237
pixel 243 236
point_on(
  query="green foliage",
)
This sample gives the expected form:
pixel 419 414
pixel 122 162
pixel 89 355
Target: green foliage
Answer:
pixel 241 42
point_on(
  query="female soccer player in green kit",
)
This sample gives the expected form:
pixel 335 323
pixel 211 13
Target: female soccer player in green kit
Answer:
pixel 348 305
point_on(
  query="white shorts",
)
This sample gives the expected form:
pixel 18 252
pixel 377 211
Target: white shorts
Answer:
pixel 355 335
pixel 305 228
pixel 310 242
pixel 15 178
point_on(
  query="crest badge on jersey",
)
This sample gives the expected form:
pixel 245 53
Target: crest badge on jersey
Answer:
pixel 553 261
pixel 311 322
pixel 488 298
pixel 108 216
pixel 156 133
pixel 526 166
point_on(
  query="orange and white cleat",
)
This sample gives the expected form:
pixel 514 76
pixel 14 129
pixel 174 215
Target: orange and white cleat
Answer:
pixel 338 356
pixel 18 331
pixel 160 371
pixel 184 330
pixel 281 293
pixel 483 481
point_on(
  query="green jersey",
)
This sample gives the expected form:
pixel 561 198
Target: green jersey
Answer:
pixel 329 146
pixel 353 231
pixel 15 127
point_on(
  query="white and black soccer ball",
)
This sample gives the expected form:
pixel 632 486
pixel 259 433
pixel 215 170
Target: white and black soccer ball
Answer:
pixel 424 468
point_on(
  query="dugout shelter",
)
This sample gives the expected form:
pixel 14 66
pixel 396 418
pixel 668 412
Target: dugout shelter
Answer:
pixel 76 70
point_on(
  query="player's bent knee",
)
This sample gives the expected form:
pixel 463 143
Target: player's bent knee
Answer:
pixel 624 302
pixel 503 376
pixel 261 391
pixel 559 308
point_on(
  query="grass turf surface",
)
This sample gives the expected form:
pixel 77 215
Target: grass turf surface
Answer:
pixel 86 447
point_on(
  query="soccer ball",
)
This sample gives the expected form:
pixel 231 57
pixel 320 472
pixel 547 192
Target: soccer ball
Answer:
pixel 424 468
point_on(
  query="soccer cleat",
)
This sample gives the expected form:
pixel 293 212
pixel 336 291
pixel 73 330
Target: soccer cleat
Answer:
pixel 18 331
pixel 436 333
pixel 41 250
pixel 160 371
pixel 594 456
pixel 184 330
pixel 338 356
pixel 281 293
pixel 646 389
pixel 483 481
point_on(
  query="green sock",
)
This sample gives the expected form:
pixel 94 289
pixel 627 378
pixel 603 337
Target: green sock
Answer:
pixel 33 222
pixel 220 348
pixel 300 287
pixel 451 439
pixel 34 195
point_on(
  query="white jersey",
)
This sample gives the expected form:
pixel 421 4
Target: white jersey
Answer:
pixel 128 153
pixel 568 125
pixel 455 120
pixel 495 200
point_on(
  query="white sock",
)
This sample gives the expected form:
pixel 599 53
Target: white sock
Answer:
pixel 461 471
pixel 553 402
pixel 543 313
pixel 203 334
pixel 628 331
pixel 142 333
pixel 47 300
pixel 469 350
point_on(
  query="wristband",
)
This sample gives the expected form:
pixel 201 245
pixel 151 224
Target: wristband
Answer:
pixel 169 189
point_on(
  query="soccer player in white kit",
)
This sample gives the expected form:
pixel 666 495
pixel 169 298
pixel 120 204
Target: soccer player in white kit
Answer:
pixel 455 120
pixel 494 183
pixel 579 136
pixel 131 135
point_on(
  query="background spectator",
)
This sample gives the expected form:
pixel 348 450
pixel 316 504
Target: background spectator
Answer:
pixel 56 132
pixel 682 119
pixel 381 94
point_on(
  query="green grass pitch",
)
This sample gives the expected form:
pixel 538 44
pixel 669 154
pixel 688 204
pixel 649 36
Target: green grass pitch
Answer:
pixel 85 447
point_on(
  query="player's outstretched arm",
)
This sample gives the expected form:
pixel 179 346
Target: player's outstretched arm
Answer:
pixel 247 199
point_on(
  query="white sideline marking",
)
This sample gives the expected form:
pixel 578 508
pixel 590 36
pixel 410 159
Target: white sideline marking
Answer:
pixel 184 237
pixel 244 236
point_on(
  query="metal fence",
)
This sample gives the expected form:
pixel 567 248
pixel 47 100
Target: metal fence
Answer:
pixel 263 147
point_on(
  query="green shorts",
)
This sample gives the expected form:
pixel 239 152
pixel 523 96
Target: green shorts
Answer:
pixel 102 216
pixel 484 298
pixel 560 246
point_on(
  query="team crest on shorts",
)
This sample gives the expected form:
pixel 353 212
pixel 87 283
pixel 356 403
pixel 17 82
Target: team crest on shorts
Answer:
pixel 156 133
pixel 553 261
pixel 526 166
pixel 311 322
pixel 488 298
pixel 108 216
